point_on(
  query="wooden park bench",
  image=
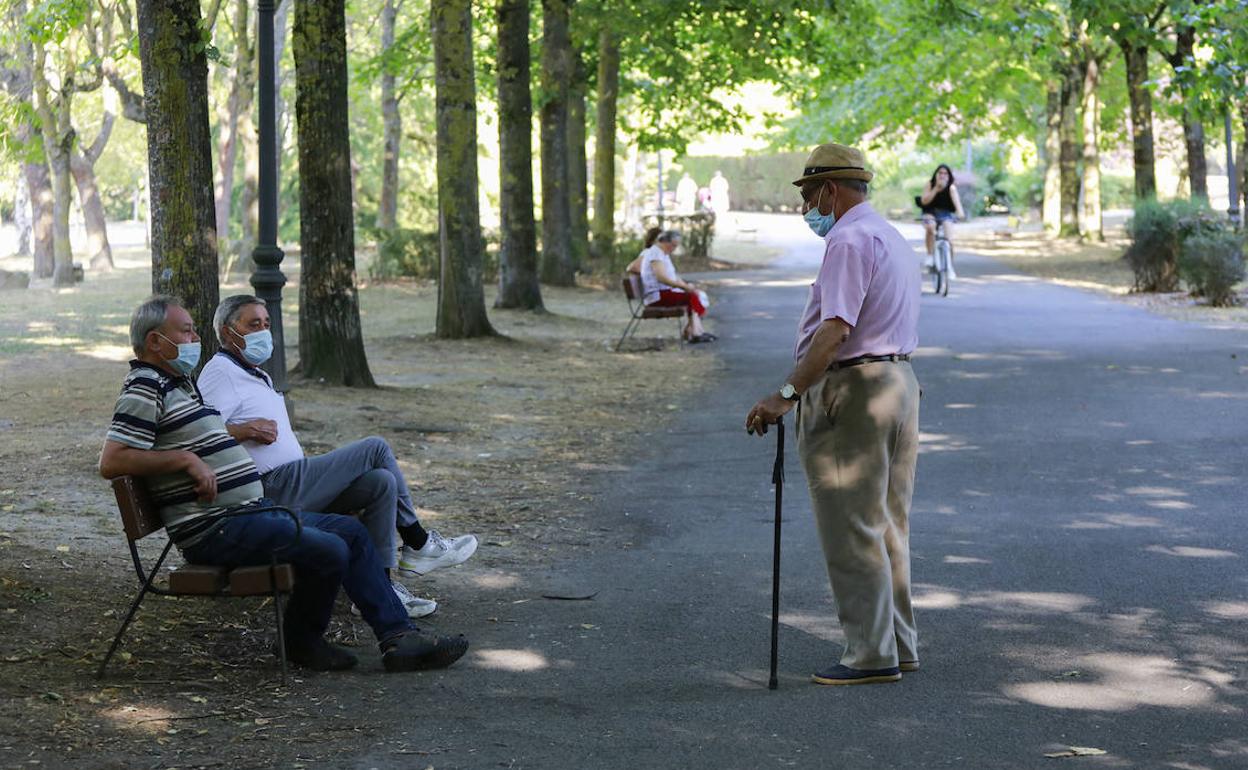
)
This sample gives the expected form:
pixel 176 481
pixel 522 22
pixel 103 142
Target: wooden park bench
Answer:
pixel 140 518
pixel 640 311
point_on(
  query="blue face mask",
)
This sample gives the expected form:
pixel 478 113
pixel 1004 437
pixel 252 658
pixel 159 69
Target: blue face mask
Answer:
pixel 820 224
pixel 188 356
pixel 258 346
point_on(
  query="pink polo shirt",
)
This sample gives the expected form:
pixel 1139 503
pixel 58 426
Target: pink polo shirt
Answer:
pixel 870 280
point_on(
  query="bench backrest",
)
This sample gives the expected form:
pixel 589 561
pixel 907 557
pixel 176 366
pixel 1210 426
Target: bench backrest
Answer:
pixel 138 516
pixel 632 286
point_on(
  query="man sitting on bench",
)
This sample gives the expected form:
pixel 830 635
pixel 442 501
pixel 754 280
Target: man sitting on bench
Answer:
pixel 363 475
pixel 194 470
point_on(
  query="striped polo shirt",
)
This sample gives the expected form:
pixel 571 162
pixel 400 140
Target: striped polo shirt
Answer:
pixel 160 411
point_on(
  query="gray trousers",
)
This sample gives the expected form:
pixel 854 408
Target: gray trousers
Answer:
pixel 361 476
pixel 858 438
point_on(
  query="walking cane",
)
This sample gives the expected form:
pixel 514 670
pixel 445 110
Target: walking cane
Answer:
pixel 777 479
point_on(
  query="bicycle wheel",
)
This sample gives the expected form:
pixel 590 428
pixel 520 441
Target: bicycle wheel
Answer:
pixel 942 265
pixel 935 275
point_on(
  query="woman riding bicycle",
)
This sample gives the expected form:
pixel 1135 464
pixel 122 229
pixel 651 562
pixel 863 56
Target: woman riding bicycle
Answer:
pixel 940 204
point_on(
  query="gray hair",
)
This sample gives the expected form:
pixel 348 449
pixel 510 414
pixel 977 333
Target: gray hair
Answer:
pixel 229 310
pixel 667 236
pixel 148 317
pixel 857 185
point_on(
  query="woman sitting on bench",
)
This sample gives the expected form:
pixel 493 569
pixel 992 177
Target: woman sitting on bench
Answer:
pixel 662 286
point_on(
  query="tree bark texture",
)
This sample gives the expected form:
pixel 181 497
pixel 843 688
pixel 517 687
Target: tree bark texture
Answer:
pixel 391 127
pixel 603 243
pixel 461 295
pixel 1197 168
pixel 82 166
pixel 1193 129
pixel 578 164
pixel 558 267
pixel 242 89
pixel 1068 159
pixel 1242 162
pixel 21 217
pixel 39 183
pixel 1051 205
pixel 58 141
pixel 1091 225
pixel 1143 154
pixel 179 154
pixel 331 344
pixel 518 284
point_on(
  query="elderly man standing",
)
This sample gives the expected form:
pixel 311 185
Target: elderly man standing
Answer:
pixel 361 476
pixel 858 414
pixel 203 483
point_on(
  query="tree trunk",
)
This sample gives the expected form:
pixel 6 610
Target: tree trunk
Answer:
pixel 1142 152
pixel 558 267
pixel 1051 205
pixel 92 214
pixel 331 344
pixel 461 297
pixel 21 217
pixel 578 171
pixel 1068 160
pixel 82 165
pixel 1193 129
pixel 1243 162
pixel 518 285
pixel 1197 168
pixel 249 223
pixel 1091 226
pixel 604 146
pixel 39 183
pixel 179 152
pixel 239 103
pixel 58 141
pixel 391 128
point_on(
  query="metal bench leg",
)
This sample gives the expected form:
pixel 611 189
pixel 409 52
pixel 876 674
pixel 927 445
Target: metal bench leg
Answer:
pixel 629 330
pixel 134 607
pixel 281 624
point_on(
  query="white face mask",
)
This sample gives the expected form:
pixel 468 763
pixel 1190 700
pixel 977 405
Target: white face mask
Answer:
pixel 187 358
pixel 257 346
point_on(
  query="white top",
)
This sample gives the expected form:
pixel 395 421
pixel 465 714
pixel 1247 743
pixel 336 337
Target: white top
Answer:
pixel 242 393
pixel 650 285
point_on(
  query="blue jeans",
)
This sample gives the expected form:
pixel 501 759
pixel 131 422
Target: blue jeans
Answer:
pixel 333 551
pixel 362 475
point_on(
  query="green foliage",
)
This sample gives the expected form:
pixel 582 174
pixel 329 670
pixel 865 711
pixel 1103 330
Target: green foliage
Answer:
pixel 404 253
pixel 697 231
pixel 1211 262
pixel 1158 230
pixel 756 182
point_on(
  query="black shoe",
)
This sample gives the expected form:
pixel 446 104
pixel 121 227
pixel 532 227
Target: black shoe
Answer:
pixel 419 650
pixel 839 674
pixel 320 656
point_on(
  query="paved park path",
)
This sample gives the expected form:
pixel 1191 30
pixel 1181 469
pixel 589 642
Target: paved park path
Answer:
pixel 1079 546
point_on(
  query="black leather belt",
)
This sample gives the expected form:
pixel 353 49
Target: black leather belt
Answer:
pixel 867 360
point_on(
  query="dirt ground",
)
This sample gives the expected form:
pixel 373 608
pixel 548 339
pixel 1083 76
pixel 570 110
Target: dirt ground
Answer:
pixel 496 437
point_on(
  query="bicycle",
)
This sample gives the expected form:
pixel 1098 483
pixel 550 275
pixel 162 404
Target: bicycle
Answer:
pixel 942 260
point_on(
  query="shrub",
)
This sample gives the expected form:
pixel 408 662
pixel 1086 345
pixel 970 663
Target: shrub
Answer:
pixel 404 253
pixel 1211 261
pixel 1155 241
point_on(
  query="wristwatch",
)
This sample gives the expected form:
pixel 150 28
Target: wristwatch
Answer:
pixel 789 393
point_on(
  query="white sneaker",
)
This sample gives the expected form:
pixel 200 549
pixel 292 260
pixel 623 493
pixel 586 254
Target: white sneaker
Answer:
pixel 929 262
pixel 952 273
pixel 416 607
pixel 438 552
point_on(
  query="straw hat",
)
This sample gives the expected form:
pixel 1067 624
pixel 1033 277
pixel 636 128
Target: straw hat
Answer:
pixel 834 161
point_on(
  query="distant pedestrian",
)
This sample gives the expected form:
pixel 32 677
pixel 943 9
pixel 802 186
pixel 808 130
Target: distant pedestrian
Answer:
pixel 719 194
pixel 686 195
pixel 857 414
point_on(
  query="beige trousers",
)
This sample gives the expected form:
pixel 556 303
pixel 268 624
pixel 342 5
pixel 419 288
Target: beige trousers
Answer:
pixel 858 437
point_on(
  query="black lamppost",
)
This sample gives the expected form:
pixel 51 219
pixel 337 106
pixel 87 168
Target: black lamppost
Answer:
pixel 1232 207
pixel 268 279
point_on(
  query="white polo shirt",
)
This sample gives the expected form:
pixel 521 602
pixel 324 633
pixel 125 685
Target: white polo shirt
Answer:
pixel 242 393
